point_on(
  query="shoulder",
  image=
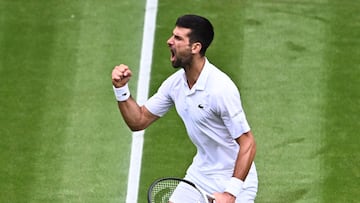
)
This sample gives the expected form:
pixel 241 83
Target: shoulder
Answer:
pixel 219 80
pixel 173 80
pixel 175 77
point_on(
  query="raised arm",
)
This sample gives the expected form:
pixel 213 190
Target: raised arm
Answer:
pixel 136 117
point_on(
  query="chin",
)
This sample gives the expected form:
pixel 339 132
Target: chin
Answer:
pixel 175 64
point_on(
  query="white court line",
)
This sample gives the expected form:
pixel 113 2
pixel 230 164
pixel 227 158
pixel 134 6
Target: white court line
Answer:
pixel 142 96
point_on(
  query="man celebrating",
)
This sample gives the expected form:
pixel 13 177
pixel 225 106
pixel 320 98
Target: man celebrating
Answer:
pixel 209 104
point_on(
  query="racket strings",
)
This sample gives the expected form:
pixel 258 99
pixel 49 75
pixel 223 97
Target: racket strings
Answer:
pixel 162 191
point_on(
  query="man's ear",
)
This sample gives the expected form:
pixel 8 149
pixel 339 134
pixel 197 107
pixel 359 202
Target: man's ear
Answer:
pixel 196 47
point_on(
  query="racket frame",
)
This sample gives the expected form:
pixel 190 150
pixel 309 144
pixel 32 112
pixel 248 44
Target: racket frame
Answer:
pixel 207 198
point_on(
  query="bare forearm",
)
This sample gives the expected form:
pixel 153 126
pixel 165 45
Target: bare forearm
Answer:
pixel 134 115
pixel 245 157
pixel 130 112
pixel 242 166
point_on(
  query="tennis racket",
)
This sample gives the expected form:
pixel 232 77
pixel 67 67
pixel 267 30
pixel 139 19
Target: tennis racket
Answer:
pixel 161 190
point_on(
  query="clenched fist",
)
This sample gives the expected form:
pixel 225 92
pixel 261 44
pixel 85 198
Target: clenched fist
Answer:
pixel 120 75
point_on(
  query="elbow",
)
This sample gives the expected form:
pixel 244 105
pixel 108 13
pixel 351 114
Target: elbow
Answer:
pixel 247 144
pixel 135 126
pixel 140 121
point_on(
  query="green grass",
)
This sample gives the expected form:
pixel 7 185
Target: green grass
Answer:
pixel 61 136
pixel 283 62
pixel 62 139
pixel 341 159
pixel 282 56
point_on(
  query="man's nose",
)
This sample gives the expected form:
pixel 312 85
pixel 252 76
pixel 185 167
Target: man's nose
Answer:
pixel 170 41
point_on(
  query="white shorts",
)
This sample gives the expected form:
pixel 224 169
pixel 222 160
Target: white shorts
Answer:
pixel 186 193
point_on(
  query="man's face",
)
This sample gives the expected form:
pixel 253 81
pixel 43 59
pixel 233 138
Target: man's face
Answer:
pixel 180 47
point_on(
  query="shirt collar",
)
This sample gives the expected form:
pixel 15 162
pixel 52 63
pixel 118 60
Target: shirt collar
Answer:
pixel 201 81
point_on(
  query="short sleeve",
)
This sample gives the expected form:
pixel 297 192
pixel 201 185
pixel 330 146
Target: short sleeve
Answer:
pixel 161 101
pixel 231 112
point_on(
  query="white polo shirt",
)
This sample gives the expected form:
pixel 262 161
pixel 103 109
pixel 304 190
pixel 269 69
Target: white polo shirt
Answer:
pixel 213 116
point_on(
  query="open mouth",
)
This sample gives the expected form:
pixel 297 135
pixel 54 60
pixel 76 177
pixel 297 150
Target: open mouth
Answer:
pixel 172 57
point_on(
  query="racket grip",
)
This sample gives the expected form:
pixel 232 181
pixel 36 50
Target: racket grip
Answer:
pixel 210 198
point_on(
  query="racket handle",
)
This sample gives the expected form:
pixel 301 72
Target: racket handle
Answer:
pixel 210 198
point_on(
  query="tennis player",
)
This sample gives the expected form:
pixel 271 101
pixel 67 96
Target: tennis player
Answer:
pixel 209 104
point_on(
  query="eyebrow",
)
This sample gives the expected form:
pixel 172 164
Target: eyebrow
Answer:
pixel 180 35
pixel 177 36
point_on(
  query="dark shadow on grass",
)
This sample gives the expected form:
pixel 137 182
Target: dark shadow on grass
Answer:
pixel 290 196
pixel 341 154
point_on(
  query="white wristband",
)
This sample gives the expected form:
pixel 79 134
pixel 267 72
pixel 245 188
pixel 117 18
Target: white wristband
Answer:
pixel 122 93
pixel 234 186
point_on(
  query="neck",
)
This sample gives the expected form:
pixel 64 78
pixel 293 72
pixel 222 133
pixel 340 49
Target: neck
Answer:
pixel 193 71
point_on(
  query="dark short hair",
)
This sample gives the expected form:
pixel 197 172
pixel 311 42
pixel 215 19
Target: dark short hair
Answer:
pixel 201 30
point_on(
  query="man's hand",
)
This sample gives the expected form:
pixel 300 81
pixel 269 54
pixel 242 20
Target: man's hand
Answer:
pixel 121 75
pixel 224 197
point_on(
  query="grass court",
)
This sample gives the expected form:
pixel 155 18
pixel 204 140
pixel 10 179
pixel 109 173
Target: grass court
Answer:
pixel 62 139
